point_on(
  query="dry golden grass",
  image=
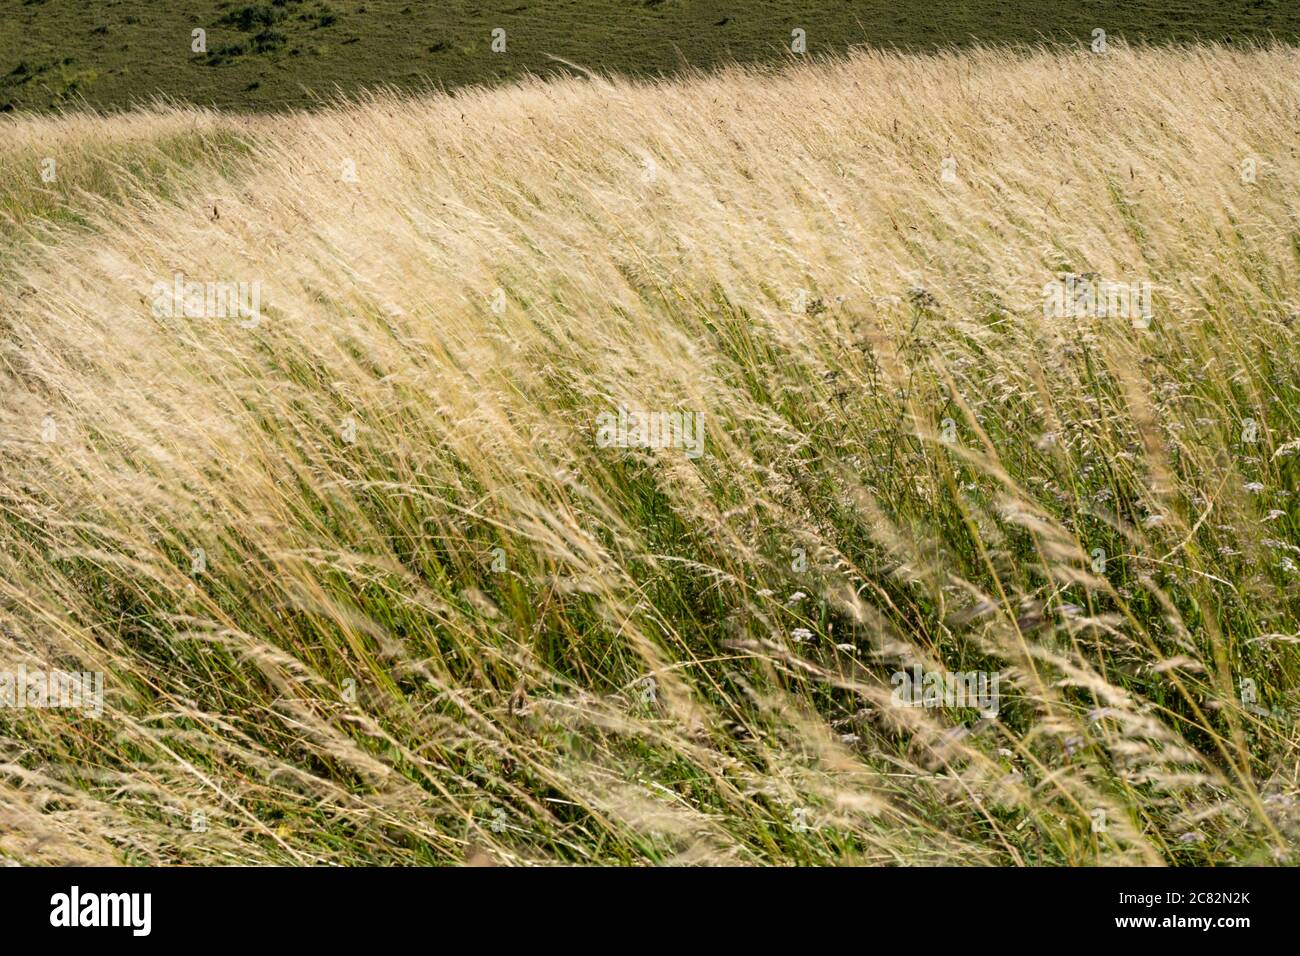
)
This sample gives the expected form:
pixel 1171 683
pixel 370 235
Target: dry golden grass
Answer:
pixel 277 542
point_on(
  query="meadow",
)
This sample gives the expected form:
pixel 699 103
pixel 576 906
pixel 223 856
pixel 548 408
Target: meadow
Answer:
pixel 384 569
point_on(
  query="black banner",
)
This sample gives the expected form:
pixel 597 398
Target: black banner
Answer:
pixel 336 906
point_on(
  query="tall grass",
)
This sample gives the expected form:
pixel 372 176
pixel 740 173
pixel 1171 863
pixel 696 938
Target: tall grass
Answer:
pixel 366 589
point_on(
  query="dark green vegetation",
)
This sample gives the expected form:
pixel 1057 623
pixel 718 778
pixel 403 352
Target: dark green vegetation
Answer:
pixel 284 53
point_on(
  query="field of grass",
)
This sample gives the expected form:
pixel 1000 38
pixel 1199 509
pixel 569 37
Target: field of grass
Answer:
pixel 269 54
pixel 367 587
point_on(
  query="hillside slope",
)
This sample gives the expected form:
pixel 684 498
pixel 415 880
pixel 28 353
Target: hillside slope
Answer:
pixel 272 54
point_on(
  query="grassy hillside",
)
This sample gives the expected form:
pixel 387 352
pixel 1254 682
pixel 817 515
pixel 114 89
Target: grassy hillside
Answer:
pixel 367 586
pixel 275 53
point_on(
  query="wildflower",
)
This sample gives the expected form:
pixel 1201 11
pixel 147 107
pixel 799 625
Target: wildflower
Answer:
pixel 1254 486
pixel 1274 515
pixel 801 634
pixel 922 298
pixel 795 598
